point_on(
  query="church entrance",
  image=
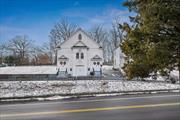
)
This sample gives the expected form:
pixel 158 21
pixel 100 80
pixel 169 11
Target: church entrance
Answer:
pixel 80 70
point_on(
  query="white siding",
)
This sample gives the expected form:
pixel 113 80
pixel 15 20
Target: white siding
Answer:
pixel 77 64
pixel 119 59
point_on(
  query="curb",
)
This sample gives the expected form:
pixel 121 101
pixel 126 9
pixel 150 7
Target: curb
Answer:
pixel 81 95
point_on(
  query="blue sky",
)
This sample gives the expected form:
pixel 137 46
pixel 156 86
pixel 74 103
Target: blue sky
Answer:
pixel 36 18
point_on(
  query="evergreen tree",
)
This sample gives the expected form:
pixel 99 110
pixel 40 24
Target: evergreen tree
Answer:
pixel 10 60
pixel 153 41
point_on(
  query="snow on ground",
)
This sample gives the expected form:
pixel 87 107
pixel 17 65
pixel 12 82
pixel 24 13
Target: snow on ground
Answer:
pixel 43 88
pixel 175 74
pixel 28 70
pixel 159 78
pixel 35 69
pixel 107 67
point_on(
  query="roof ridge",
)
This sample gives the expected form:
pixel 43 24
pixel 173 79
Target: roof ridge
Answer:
pixel 79 29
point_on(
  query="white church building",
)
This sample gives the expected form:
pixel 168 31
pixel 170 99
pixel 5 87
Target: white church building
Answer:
pixel 79 55
pixel 118 59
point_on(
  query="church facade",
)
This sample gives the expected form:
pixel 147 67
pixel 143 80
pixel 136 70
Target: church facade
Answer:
pixel 79 55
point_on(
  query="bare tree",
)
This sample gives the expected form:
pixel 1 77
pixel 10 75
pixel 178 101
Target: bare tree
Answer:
pixel 46 49
pixel 116 33
pixel 2 51
pixel 107 49
pixel 61 31
pixel 41 50
pixel 108 40
pixel 99 34
pixel 35 52
pixel 114 37
pixel 20 46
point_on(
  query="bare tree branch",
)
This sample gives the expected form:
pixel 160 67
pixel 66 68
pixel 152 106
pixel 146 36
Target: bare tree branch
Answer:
pixel 61 31
pixel 20 46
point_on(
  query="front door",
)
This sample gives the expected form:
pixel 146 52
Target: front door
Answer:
pixel 80 71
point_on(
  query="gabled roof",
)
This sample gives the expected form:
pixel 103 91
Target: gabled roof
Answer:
pixel 96 57
pixel 63 57
pixel 79 29
pixel 80 44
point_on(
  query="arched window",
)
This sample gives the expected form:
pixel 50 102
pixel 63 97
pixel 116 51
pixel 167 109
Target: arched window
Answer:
pixel 80 37
pixel 82 55
pixel 77 55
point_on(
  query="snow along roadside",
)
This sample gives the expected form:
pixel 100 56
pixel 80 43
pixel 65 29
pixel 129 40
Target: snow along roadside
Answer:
pixel 15 89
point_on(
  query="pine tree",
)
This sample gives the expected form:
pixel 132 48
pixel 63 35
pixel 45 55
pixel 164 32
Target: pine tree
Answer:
pixel 153 41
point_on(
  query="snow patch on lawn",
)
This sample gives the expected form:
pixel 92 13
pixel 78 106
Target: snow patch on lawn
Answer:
pixel 107 67
pixel 175 74
pixel 35 69
pixel 43 88
pixel 28 70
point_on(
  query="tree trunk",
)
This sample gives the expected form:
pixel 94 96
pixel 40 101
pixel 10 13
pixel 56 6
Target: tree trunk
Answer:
pixel 179 72
pixel 55 57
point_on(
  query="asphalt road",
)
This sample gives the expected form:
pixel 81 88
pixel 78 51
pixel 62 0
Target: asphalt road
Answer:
pixel 132 107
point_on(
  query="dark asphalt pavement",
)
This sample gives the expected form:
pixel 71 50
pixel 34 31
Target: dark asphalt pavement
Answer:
pixel 131 107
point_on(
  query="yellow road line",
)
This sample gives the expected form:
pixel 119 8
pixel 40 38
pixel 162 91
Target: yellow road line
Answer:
pixel 89 110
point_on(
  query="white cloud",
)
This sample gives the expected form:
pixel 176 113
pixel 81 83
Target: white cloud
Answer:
pixel 97 20
pixel 107 17
pixel 86 19
pixel 117 12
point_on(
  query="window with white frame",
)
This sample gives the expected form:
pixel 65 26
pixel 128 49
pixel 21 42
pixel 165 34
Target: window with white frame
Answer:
pixel 82 55
pixel 77 55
